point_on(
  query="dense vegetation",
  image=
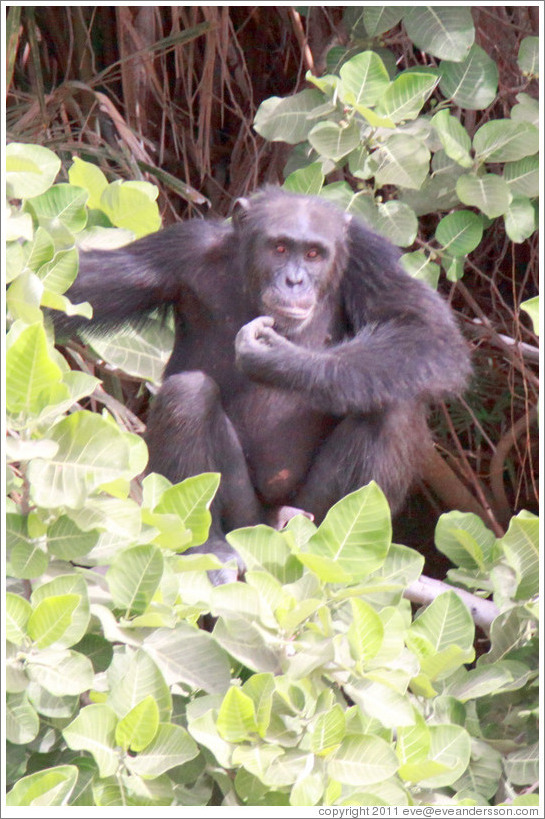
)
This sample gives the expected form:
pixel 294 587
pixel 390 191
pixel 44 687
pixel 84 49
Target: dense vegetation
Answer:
pixel 317 683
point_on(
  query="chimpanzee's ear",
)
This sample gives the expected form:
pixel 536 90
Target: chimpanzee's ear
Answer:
pixel 240 210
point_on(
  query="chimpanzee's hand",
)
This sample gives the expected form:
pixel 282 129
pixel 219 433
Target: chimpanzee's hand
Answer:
pixel 260 349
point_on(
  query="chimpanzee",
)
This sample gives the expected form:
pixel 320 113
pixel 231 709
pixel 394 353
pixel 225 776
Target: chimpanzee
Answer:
pixel 304 359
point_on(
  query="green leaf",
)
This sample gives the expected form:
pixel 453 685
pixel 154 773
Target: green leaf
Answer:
pixel 189 655
pixel 403 161
pixel 446 32
pixel 520 219
pixel 129 207
pixel 362 760
pixel 490 678
pixel 61 211
pixel 286 120
pixel 30 368
pixel 134 677
pixel 459 232
pixel 91 452
pixel 260 689
pixel 405 96
pixel 364 79
pixel 63 673
pixel 520 545
pixel 22 721
pixel 419 266
pixel 451 748
pixel 139 726
pixel 190 500
pixel 42 250
pixel 236 717
pixel 522 176
pixel 397 222
pixel 93 730
pixel 66 541
pixel 366 632
pixel 18 611
pixel 171 746
pixel 490 193
pixel 522 766
pixel 30 170
pixel 454 138
pixel 353 539
pixel 51 618
pixel 47 788
pixel 528 57
pixel 89 177
pixel 58 274
pixel 465 540
pixel 334 141
pixel 472 83
pixel 378 19
pixel 327 731
pixel 133 578
pixel 445 622
pixel 502 140
pixel 308 181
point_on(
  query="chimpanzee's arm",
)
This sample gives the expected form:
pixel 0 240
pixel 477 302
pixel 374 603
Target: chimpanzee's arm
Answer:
pixel 127 283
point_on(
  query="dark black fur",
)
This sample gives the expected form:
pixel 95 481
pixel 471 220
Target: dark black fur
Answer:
pixel 302 407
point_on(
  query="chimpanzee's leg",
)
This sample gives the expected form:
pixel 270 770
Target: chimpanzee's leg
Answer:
pixel 189 433
pixel 387 447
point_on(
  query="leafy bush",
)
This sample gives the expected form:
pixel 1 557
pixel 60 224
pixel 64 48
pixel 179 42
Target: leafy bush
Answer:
pixel 317 685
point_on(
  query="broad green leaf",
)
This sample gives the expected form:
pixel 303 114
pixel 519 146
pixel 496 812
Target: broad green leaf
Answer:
pixel 134 677
pixel 526 110
pixel 190 500
pixel 484 771
pixel 89 177
pixel 362 760
pixel 522 176
pixel 66 541
pixel 30 368
pixel 129 207
pixel 492 678
pixel 490 193
pixel 142 352
pixel 378 19
pixel 136 729
pixel 60 211
pixel 22 721
pixel 93 730
pixel 307 791
pixel 397 222
pixel 465 540
pixel 353 539
pixel 189 655
pixel 308 181
pixel 528 57
pixel 18 610
pixel 133 578
pixel 171 746
pixel 235 599
pixel 260 689
pixel 418 265
pixel 405 96
pixel 261 547
pixel 459 232
pixel 366 632
pixel 502 140
pixel 202 727
pixel 446 32
pixel 24 297
pixel 381 702
pixel 521 547
pixel 61 672
pixel 402 161
pixel 334 141
pixel 248 644
pixel 50 787
pixel 236 717
pixel 520 219
pixel 42 250
pixel 51 618
pixel 30 170
pixel 364 79
pixel 450 747
pixel 27 556
pixel 58 274
pixel 91 452
pixel 522 766
pixel 472 83
pixel 454 138
pixel 286 120
pixel 327 731
pixel 445 622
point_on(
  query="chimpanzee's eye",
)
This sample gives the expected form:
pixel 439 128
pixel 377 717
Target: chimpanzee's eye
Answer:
pixel 280 248
pixel 313 253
